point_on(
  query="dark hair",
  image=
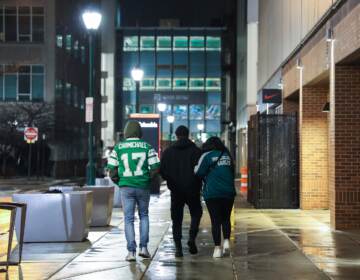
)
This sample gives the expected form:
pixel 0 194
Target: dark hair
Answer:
pixel 182 132
pixel 215 143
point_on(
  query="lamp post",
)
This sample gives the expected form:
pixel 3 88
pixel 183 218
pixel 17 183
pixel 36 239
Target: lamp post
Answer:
pixel 137 74
pixel 161 107
pixel 171 120
pixel 200 127
pixel 92 20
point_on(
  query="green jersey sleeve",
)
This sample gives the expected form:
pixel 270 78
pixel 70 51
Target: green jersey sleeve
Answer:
pixel 113 160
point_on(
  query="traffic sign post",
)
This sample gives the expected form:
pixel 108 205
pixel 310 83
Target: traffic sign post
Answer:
pixel 30 136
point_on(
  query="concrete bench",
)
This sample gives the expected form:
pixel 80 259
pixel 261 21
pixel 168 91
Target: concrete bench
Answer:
pixel 107 182
pixel 56 217
pixel 103 199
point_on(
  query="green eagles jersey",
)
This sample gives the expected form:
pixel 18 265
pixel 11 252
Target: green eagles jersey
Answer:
pixel 134 159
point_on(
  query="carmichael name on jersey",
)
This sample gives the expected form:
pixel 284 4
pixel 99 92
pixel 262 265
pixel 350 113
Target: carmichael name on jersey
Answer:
pixel 134 159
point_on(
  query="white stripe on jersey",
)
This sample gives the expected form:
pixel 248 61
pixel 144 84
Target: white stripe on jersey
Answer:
pixel 113 162
pixel 196 169
pixel 153 160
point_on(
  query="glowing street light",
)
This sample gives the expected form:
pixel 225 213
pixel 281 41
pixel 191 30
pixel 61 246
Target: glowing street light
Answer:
pixel 171 120
pixel 137 74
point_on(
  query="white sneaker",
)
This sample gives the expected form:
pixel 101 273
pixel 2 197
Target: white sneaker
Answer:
pixel 226 246
pixel 144 253
pixel 131 257
pixel 217 252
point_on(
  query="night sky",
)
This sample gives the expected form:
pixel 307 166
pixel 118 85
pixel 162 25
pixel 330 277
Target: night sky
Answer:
pixel 190 12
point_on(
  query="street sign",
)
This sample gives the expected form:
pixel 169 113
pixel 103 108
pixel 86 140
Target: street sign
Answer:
pixel 31 134
pixel 89 112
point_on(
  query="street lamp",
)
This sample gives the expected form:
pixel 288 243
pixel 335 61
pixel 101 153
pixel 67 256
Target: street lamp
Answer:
pixel 92 20
pixel 137 74
pixel 161 107
pixel 171 120
pixel 200 127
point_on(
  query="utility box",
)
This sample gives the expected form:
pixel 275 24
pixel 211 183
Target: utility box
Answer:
pixel 273 161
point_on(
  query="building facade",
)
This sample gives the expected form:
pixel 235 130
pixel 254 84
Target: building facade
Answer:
pixel 44 79
pixel 182 68
pixel 312 48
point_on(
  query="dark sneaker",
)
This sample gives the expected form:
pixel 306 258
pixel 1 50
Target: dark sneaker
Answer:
pixel 192 247
pixel 178 250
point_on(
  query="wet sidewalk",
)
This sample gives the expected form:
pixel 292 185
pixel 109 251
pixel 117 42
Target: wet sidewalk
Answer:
pixel 266 244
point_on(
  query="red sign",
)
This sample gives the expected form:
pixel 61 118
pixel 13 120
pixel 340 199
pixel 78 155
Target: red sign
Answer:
pixel 31 134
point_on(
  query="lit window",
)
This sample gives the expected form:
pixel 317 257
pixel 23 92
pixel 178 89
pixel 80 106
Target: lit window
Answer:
pixel 196 112
pixel 181 112
pixel 147 84
pixel 180 83
pixel 146 109
pixel 180 43
pixel 58 90
pixel 213 84
pixel 197 84
pixel 147 43
pixel 68 42
pixel 163 84
pixel 68 96
pixel 131 43
pixel 164 43
pixel 213 43
pixel 197 43
pixel 59 41
pixel 129 109
pixel 213 112
pixel 76 49
pixel 128 84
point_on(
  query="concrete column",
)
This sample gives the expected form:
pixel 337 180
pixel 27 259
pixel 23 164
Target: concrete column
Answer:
pixel 344 145
pixel 314 186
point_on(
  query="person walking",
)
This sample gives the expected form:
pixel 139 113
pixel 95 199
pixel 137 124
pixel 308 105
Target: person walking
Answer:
pixel 216 168
pixel 132 163
pixel 177 168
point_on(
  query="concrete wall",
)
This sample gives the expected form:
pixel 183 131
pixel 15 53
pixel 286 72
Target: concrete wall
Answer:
pixel 282 25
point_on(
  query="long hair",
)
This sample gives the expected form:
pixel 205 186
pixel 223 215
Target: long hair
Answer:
pixel 215 143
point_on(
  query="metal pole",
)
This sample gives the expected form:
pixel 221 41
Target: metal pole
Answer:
pixel 90 174
pixel 29 161
pixel 137 96
pixel 171 132
pixel 161 131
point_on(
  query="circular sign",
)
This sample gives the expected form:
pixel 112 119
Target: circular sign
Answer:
pixel 31 134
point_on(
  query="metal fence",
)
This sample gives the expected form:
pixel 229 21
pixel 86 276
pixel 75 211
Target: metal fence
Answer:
pixel 273 161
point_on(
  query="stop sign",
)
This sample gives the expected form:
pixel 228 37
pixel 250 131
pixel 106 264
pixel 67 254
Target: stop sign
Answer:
pixel 31 134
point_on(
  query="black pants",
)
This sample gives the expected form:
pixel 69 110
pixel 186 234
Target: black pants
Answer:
pixel 178 201
pixel 220 212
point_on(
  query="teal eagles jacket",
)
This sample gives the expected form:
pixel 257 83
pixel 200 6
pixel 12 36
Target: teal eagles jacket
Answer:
pixel 219 181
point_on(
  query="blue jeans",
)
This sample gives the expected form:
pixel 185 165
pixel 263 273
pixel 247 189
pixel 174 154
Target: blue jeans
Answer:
pixel 130 197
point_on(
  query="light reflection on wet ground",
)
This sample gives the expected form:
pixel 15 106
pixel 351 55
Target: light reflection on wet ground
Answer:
pixel 266 244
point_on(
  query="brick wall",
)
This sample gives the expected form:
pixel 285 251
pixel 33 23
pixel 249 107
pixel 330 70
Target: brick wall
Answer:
pixel 314 186
pixel 345 148
pixel 290 106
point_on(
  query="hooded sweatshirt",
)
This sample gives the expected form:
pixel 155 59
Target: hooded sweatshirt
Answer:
pixel 134 158
pixel 177 167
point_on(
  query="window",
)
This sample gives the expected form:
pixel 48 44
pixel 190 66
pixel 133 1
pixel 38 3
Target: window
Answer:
pixel 24 24
pixel 180 83
pixel 59 41
pixel 38 24
pixel 76 49
pixel 197 84
pixel 146 109
pixel 181 112
pixel 196 112
pixel 10 24
pixel 213 84
pixel 82 100
pixel 131 43
pixel 163 84
pixel 128 84
pixel 180 43
pixel 75 94
pixel 68 43
pixel 147 43
pixel 22 83
pixel 213 43
pixel 58 90
pixel 164 43
pixel 213 112
pixel 197 43
pixel 129 109
pixel 147 84
pixel 2 33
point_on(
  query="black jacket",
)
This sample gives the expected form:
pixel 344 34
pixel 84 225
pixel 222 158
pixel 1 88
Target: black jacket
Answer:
pixel 177 167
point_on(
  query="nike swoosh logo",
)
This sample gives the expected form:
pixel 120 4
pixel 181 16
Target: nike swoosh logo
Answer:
pixel 268 97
